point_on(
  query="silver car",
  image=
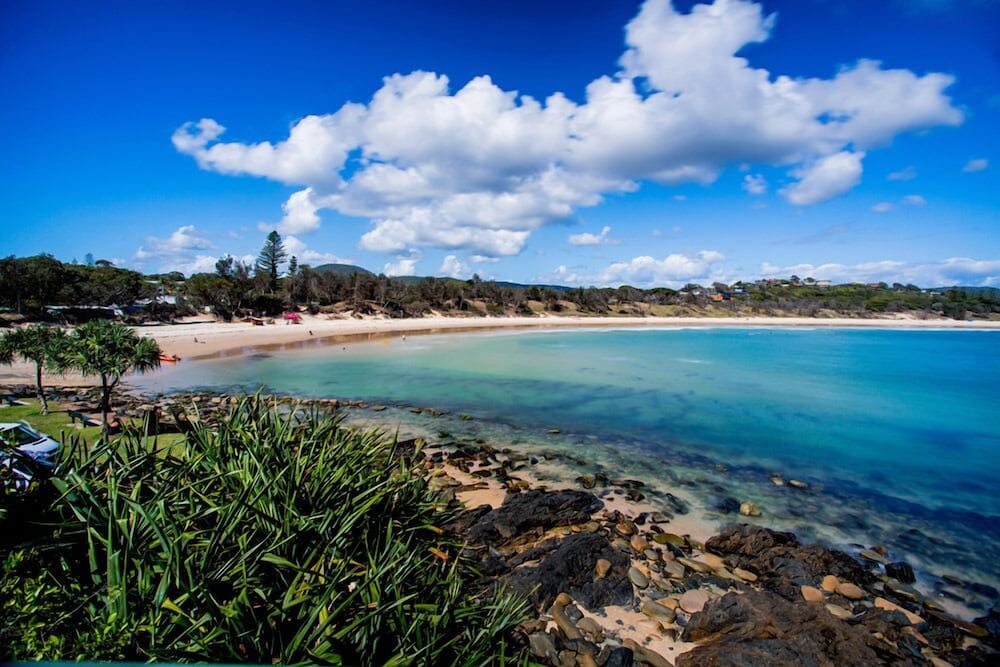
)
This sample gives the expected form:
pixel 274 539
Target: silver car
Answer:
pixel 22 446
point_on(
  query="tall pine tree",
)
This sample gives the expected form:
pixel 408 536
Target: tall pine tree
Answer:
pixel 270 258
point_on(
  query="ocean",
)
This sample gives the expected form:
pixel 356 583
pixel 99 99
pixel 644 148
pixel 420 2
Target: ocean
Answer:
pixel 896 432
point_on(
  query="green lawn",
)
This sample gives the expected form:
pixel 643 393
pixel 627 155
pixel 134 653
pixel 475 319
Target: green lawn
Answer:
pixel 57 424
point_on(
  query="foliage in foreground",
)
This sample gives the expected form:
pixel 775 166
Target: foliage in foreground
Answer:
pixel 273 538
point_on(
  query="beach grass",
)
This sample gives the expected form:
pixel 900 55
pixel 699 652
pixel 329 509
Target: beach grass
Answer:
pixel 272 537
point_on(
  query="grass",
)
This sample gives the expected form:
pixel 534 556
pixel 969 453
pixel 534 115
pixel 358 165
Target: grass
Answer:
pixel 57 423
pixel 273 537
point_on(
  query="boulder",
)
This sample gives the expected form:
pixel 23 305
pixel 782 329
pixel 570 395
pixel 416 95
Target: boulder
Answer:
pixel 532 510
pixel 569 565
pixel 762 628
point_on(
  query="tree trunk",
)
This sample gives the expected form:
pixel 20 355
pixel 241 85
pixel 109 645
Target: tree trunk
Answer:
pixel 39 390
pixel 105 403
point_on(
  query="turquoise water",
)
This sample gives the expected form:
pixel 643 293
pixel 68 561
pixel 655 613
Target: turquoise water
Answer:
pixel 900 423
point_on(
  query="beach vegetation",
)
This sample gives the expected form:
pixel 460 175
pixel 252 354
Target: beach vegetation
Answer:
pixel 273 537
pixel 271 257
pixel 108 350
pixel 38 344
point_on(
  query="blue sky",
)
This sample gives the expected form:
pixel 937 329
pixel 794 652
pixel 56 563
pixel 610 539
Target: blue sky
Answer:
pixel 722 141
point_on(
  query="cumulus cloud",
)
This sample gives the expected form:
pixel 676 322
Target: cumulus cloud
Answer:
pixel 755 184
pixel 948 272
pixel 453 267
pixel 586 238
pixel 478 169
pixel 184 250
pixel 306 255
pixel 405 265
pixel 674 269
pixel 825 179
pixel 914 200
pixel 882 207
pixel 978 164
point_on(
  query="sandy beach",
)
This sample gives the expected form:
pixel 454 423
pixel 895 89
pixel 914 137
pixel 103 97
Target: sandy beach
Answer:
pixel 202 340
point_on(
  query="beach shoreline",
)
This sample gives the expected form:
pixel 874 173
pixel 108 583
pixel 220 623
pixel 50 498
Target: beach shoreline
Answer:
pixel 194 341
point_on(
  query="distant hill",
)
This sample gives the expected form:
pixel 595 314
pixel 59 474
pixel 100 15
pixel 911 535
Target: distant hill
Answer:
pixel 342 269
pixel 980 291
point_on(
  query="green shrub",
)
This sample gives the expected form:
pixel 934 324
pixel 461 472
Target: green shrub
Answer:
pixel 274 537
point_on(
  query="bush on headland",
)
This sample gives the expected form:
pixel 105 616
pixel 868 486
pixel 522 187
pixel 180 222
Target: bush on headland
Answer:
pixel 271 537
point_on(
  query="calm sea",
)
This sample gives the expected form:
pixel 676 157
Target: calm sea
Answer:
pixel 897 432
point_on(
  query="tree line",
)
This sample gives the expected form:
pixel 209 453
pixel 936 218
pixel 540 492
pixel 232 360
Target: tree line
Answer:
pixel 277 282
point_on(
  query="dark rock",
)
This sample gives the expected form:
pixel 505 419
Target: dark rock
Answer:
pixel 531 510
pixel 900 572
pixel 620 657
pixel 724 505
pixel 784 563
pixel 761 628
pixel 985 590
pixel 991 622
pixel 568 565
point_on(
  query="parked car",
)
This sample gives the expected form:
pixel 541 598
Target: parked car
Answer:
pixel 23 450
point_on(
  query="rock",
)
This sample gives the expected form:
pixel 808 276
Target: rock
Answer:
pixel 695 565
pixel 873 556
pixel 562 621
pixel 882 603
pixel 713 561
pixel 658 517
pixel 839 612
pixel 658 612
pixel 587 481
pixel 810 594
pixel 900 572
pixel 602 567
pixel 782 563
pixel 849 591
pixel 763 628
pixel 693 600
pixel 724 505
pixel 830 583
pixel 673 569
pixel 638 578
pixel 540 644
pixel 777 480
pixel 969 628
pixel 646 656
pixel 592 628
pixel 749 509
pixel 638 543
pixel 984 589
pixel 624 528
pixel 651 555
pixel 797 484
pixel 568 565
pixel 533 509
pixel 620 657
pixel 744 574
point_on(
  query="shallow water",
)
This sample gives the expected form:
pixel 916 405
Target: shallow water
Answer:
pixel 895 431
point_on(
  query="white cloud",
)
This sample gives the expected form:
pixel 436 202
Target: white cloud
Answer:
pixel 453 267
pixel 906 174
pixel 680 197
pixel 882 207
pixel 182 251
pixel 306 255
pixel 825 179
pixel 755 184
pixel 587 238
pixel 672 270
pixel 978 164
pixel 952 271
pixel 479 168
pixel 405 265
pixel 483 259
pixel 914 200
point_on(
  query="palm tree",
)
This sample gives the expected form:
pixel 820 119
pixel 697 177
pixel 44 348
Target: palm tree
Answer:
pixel 109 350
pixel 39 344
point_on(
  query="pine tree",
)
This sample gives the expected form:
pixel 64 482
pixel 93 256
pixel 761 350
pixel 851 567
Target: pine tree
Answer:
pixel 270 258
pixel 293 266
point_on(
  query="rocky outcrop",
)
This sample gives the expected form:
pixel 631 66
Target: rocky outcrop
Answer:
pixel 533 512
pixel 782 563
pixel 570 565
pixel 763 628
